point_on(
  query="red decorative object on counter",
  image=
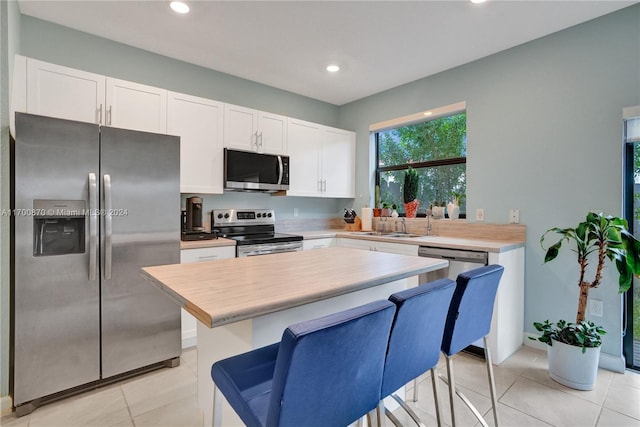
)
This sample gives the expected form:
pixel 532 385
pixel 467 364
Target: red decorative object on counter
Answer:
pixel 411 208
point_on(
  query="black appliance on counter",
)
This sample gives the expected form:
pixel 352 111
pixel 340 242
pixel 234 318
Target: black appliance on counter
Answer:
pixel 191 220
pixel 254 231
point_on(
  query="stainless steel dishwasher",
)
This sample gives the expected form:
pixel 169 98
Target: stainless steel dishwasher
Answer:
pixel 460 260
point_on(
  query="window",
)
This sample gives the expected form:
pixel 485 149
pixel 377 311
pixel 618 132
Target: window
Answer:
pixel 437 149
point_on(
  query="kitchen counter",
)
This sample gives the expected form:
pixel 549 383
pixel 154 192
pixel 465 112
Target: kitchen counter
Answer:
pixel 246 303
pixel 440 242
pixel 226 291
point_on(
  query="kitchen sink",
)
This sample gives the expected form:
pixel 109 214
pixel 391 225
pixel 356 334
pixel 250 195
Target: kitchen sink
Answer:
pixel 387 234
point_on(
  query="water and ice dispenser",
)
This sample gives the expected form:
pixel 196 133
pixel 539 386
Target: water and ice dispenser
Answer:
pixel 58 227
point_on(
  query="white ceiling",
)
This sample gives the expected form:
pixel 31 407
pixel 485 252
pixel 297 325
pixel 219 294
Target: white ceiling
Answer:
pixel 287 44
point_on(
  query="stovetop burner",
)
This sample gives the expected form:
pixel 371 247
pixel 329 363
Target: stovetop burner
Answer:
pixel 248 226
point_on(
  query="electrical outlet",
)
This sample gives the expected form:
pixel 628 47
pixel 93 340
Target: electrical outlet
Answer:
pixel 595 307
pixel 479 214
pixel 514 216
pixel 295 211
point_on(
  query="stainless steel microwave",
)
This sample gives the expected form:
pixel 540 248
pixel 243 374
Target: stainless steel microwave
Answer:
pixel 251 171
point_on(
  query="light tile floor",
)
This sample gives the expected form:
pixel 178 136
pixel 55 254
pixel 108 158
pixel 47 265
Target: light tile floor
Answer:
pixel 527 397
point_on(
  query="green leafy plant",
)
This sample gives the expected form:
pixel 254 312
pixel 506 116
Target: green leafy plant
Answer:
pixel 457 197
pixel 600 237
pixel 410 187
pixel 585 334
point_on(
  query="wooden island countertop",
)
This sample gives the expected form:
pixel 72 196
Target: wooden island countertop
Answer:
pixel 226 291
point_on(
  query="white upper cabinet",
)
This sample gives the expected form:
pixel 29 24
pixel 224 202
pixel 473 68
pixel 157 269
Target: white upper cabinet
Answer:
pixel 322 160
pixel 199 124
pixel 252 130
pixel 338 162
pixel 56 91
pixel 305 139
pixel 136 106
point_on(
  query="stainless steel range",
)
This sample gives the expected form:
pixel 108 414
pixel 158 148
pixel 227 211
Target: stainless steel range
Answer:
pixel 254 231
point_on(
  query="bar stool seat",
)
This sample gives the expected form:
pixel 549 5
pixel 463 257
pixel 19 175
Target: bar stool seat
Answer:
pixel 324 372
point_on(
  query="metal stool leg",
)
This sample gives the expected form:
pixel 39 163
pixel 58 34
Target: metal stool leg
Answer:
pixel 452 388
pixel 216 419
pixel 492 383
pixel 436 398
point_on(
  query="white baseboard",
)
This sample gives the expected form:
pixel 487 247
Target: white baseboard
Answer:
pixel 189 339
pixel 6 403
pixel 607 361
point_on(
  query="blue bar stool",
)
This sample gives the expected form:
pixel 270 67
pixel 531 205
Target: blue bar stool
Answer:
pixel 324 372
pixel 468 320
pixel 415 340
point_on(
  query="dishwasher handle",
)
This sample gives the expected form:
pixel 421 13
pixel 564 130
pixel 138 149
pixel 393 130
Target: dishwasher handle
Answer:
pixel 460 255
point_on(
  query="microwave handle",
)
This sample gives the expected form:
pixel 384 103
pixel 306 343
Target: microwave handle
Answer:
pixel 280 170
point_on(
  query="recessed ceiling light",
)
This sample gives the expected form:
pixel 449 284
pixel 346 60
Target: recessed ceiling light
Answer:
pixel 333 68
pixel 478 1
pixel 179 7
pixel 428 113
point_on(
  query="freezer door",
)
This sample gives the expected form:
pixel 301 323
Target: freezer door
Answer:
pixel 56 320
pixel 140 179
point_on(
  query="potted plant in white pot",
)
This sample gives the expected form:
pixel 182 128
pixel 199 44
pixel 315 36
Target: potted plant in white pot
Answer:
pixel 574 348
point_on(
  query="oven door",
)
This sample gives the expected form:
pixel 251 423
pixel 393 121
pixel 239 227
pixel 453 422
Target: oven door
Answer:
pixel 268 248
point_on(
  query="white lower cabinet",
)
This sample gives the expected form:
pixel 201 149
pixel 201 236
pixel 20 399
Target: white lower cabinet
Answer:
pixel 318 243
pixel 371 245
pixel 189 325
pixel 392 248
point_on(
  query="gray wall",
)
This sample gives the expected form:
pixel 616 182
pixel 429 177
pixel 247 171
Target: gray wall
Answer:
pixel 544 136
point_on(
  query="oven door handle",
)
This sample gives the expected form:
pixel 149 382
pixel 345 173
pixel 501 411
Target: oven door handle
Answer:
pixel 269 249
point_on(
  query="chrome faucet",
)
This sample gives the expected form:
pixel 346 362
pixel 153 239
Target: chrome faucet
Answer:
pixel 429 222
pixel 404 225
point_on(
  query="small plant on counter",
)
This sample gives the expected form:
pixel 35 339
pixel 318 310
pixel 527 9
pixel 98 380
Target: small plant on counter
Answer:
pixel 410 192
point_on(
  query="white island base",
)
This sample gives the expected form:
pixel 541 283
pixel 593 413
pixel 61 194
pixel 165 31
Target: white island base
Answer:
pixel 224 341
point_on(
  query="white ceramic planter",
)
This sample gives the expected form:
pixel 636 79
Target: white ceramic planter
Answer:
pixel 569 366
pixel 453 210
pixel 438 212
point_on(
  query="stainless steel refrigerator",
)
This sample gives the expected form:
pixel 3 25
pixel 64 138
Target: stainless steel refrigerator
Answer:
pixel 91 206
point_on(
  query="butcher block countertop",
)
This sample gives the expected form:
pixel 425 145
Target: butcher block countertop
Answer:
pixel 229 290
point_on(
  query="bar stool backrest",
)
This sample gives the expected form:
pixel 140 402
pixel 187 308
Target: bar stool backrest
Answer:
pixel 342 357
pixel 416 335
pixel 471 309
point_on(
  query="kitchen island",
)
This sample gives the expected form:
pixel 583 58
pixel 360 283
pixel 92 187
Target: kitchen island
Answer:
pixel 246 303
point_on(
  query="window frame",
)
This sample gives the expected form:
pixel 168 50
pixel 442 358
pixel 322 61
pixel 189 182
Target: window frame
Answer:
pixel 447 111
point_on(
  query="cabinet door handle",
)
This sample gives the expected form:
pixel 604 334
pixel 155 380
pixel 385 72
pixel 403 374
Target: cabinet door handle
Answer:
pixel 260 140
pixel 207 257
pixel 255 138
pixel 109 115
pixel 320 185
pixel 100 115
pixel 324 185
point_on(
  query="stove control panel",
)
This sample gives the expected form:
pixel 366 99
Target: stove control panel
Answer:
pixel 243 217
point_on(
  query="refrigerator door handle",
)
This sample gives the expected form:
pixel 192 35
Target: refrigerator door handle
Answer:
pixel 93 226
pixel 108 226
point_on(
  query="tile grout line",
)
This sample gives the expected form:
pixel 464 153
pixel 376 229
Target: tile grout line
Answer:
pixel 124 396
